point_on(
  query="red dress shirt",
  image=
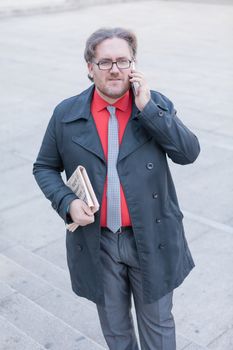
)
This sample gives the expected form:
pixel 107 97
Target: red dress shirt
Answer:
pixel 101 117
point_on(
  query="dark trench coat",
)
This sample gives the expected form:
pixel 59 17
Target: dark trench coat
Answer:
pixel 72 139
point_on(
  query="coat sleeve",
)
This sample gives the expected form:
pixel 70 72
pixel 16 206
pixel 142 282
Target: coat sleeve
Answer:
pixel 47 171
pixel 160 119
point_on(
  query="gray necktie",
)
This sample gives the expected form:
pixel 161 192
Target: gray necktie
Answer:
pixel 113 182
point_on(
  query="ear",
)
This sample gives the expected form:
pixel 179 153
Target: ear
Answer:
pixel 90 69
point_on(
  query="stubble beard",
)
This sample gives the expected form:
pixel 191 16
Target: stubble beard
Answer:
pixel 112 92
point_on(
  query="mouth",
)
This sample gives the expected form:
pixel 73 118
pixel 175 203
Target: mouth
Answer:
pixel 114 80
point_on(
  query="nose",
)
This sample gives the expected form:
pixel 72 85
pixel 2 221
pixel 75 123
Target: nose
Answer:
pixel 114 67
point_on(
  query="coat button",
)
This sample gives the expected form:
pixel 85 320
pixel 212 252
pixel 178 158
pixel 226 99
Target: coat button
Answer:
pixel 161 246
pixel 155 195
pixel 161 113
pixel 79 247
pixel 158 221
pixel 150 166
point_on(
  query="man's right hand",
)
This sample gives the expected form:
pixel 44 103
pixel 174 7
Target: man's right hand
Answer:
pixel 80 213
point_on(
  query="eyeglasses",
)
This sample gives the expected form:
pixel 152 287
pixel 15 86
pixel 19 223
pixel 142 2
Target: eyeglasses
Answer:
pixel 107 64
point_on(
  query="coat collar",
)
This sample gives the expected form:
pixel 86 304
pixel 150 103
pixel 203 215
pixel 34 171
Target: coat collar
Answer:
pixel 81 108
pixel 86 135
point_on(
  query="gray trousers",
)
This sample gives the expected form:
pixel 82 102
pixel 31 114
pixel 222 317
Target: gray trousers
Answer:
pixel 122 277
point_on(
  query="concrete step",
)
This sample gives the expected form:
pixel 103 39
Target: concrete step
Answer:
pixel 39 266
pixel 73 314
pixel 194 346
pixel 40 325
pixel 36 230
pixel 27 7
pixel 6 243
pixel 54 275
pixel 12 338
pixel 76 314
pixel 55 252
pixel 5 290
pixel 21 279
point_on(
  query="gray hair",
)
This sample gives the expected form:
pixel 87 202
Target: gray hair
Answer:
pixel 108 33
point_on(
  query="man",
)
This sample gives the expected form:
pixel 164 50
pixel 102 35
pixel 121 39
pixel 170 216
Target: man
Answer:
pixel 135 243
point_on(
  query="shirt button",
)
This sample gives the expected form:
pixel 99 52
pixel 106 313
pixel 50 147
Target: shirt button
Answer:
pixel 155 195
pixel 79 247
pixel 161 113
pixel 158 221
pixel 150 166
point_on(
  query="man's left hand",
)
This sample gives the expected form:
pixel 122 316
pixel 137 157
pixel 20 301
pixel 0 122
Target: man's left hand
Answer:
pixel 142 95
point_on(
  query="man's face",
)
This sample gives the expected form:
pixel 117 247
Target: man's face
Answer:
pixel 114 82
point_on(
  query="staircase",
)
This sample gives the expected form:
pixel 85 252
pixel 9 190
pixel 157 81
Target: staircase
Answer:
pixel 38 310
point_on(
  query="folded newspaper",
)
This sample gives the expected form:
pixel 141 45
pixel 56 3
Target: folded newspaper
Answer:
pixel 80 184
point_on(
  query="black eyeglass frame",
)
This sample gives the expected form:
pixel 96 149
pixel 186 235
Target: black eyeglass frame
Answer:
pixel 113 62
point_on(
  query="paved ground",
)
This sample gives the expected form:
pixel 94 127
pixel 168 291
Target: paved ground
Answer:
pixel 186 53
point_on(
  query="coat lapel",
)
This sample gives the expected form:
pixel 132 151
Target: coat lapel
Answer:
pixel 85 132
pixel 134 136
pixel 86 135
pixel 89 139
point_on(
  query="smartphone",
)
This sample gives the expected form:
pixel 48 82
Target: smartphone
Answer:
pixel 134 85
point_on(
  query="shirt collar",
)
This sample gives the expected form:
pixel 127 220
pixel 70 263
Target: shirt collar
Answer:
pixel 121 104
